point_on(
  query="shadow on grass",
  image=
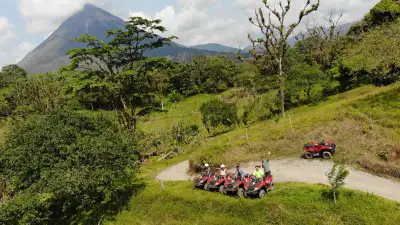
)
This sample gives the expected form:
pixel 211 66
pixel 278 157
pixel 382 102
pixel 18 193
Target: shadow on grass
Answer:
pixel 216 134
pixel 108 211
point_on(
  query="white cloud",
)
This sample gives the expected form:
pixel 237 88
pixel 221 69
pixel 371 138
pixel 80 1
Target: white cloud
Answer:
pixel 353 10
pixel 47 35
pixel 135 14
pixel 23 49
pixel 6 30
pixel 14 56
pixel 193 22
pixel 43 16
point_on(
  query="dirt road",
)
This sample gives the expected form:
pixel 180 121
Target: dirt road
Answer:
pixel 296 170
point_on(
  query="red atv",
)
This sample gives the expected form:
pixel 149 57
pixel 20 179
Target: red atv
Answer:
pixel 235 185
pixel 215 182
pixel 258 187
pixel 200 181
pixel 322 149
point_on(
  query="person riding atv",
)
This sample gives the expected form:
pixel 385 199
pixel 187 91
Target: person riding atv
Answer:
pixel 258 187
pixel 239 173
pixel 216 181
pixel 201 181
pixel 258 174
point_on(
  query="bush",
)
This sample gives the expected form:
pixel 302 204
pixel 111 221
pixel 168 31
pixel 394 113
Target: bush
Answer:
pixel 65 168
pixel 175 96
pixel 210 155
pixel 215 113
pixel 184 134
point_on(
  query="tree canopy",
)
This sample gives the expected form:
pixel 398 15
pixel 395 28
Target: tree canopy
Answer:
pixel 59 166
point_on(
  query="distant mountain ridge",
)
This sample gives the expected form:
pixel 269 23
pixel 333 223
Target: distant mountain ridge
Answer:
pixel 215 47
pixel 50 55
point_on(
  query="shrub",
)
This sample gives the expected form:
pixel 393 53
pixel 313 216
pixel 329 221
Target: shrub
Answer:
pixel 336 178
pixel 175 96
pixel 64 168
pixel 210 155
pixel 184 134
pixel 215 113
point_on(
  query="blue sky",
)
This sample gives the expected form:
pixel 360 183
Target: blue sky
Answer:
pixel 24 24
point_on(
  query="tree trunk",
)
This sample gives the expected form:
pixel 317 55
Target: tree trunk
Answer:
pixel 334 195
pixel 281 88
pixel 162 105
pixel 309 94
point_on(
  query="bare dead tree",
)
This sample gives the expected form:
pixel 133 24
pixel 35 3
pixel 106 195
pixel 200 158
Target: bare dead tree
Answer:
pixel 275 34
pixel 184 57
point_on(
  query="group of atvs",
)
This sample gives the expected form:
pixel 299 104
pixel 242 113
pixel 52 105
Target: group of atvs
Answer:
pixel 249 185
pixel 246 186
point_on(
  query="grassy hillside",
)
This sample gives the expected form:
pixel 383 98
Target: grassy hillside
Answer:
pixel 373 147
pixel 289 203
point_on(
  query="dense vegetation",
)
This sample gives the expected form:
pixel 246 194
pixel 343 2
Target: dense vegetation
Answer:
pixel 74 139
pixel 65 168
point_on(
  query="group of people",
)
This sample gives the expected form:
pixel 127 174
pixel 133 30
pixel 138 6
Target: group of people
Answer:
pixel 259 173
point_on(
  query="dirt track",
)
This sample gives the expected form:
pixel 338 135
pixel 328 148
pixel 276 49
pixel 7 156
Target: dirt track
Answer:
pixel 305 171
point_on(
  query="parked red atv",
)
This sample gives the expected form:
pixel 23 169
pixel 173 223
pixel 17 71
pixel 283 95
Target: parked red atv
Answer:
pixel 216 182
pixel 200 181
pixel 324 149
pixel 234 185
pixel 258 187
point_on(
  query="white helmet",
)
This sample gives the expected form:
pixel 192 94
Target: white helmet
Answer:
pixel 206 165
pixel 222 166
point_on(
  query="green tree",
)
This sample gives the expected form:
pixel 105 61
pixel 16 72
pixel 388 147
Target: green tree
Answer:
pixel 375 59
pixel 274 41
pixel 383 12
pixel 215 113
pixel 127 47
pixel 336 177
pixel 303 77
pixel 322 44
pixel 42 93
pixel 65 168
pixel 182 80
pixel 10 74
pixel 120 69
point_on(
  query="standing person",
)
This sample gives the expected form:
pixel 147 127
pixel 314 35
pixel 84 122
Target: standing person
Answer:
pixel 207 169
pixel 239 172
pixel 258 173
pixel 265 164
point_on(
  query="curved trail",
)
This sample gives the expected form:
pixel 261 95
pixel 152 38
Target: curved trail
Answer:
pixel 296 170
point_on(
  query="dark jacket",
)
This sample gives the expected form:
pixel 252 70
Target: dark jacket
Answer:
pixel 239 173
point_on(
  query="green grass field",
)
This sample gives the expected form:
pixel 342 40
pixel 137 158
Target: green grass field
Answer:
pixel 370 146
pixel 289 203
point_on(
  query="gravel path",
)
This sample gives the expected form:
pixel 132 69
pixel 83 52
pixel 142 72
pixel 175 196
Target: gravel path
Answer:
pixel 297 170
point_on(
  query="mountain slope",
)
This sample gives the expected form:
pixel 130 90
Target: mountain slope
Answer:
pixel 215 47
pixel 50 55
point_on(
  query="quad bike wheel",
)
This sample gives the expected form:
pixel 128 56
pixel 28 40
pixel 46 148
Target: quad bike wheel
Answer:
pixel 262 193
pixel 308 155
pixel 326 155
pixel 206 187
pixel 240 192
pixel 221 189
